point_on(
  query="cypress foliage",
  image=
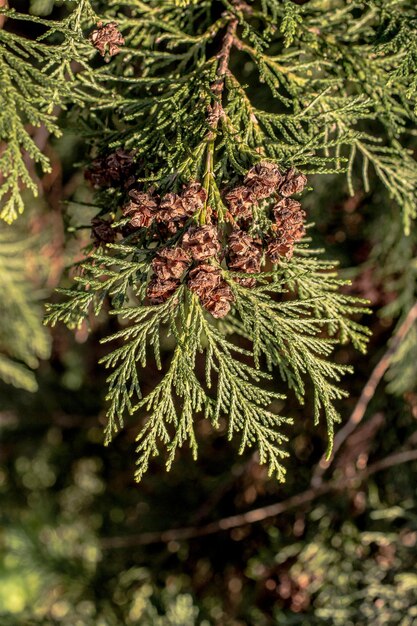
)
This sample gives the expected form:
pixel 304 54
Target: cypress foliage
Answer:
pixel 186 153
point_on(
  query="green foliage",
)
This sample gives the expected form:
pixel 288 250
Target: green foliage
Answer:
pixel 38 78
pixel 72 518
pixel 335 74
pixel 23 340
pixel 336 98
pixel 286 332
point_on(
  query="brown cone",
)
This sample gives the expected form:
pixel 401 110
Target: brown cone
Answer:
pixel 219 301
pixel 279 248
pixel 141 209
pixel 215 294
pixel 159 291
pixel 262 179
pixel 289 218
pixel 240 201
pixel 113 170
pixel 289 229
pixel 101 231
pixel 170 263
pixel 172 212
pixel 203 279
pixel 245 256
pixel 107 38
pixel 202 242
pixel 294 182
pixel 194 196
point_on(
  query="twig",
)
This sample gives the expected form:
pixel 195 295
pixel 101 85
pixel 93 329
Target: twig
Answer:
pixel 216 111
pixel 260 514
pixel 367 394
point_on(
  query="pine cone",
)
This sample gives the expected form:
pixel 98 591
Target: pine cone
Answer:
pixel 159 291
pixel 141 209
pixel 245 256
pixel 101 231
pixel 240 202
pixel 113 170
pixel 219 301
pixel 107 38
pixel 262 179
pixel 203 279
pixel 170 263
pixel 202 241
pixel 293 183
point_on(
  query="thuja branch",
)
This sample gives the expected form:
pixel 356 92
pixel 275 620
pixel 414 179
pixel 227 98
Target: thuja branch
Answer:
pixel 200 236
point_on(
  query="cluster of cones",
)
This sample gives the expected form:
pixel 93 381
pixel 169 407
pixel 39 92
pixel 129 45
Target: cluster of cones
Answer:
pixel 263 181
pixel 192 258
pixel 199 251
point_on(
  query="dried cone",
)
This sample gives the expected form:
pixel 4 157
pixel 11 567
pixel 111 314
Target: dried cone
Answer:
pixel 280 248
pixel 107 38
pixel 293 182
pixel 215 294
pixel 263 179
pixel 172 212
pixel 141 209
pixel 202 242
pixel 289 228
pixel 159 291
pixel 101 231
pixel 245 256
pixel 289 217
pixel 170 263
pixel 203 279
pixel 175 208
pixel 220 301
pixel 240 201
pixel 115 169
pixel 194 197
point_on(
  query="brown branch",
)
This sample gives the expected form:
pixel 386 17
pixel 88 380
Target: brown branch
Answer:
pixel 217 88
pixel 367 394
pixel 260 514
pixel 215 112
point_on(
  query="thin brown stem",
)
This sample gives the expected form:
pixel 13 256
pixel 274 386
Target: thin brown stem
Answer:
pixel 222 69
pixel 216 111
pixel 262 513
